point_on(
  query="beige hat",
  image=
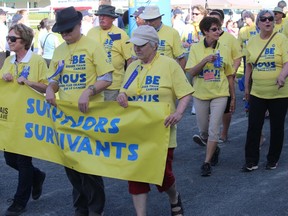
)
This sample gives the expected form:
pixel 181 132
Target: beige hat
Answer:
pixel 150 12
pixel 279 10
pixel 143 34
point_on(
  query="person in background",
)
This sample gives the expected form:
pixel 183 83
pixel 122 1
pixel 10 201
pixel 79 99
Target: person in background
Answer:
pixel 210 65
pixel 41 32
pixel 177 21
pixel 283 5
pixel 4 33
pixel 114 41
pixel 17 18
pixel 247 32
pixel 231 28
pixel 280 25
pixel 170 40
pixel 125 18
pixel 172 85
pixel 192 35
pixel 234 47
pixel 87 22
pixel 136 15
pixel 25 67
pixel 88 190
pixel 48 42
pixel 267 92
pixel 117 22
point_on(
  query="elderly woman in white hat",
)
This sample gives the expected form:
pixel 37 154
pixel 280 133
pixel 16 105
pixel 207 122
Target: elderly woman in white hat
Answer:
pixel 170 84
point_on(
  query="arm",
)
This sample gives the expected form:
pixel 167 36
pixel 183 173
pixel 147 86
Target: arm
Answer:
pixel 122 99
pixel 174 118
pixel 40 87
pixel 194 71
pixel 282 76
pixel 232 93
pixel 248 78
pixel 182 62
pixel 52 88
pixel 99 86
pixel 236 65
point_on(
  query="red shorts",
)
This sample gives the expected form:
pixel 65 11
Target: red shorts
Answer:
pixel 168 181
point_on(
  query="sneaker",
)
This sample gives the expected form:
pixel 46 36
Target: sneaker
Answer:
pixel 199 140
pixel 15 209
pixel 271 165
pixel 222 140
pixel 206 169
pixel 37 186
pixel 215 158
pixel 248 167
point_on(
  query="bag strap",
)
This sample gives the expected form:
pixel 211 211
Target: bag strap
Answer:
pixel 45 41
pixel 264 47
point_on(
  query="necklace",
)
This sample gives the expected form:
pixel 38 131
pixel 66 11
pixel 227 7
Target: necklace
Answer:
pixel 140 84
pixel 72 52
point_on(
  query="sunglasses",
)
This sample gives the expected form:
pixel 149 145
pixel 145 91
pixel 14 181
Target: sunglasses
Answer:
pixel 196 14
pixel 263 19
pixel 151 20
pixel 215 29
pixel 12 38
pixel 67 31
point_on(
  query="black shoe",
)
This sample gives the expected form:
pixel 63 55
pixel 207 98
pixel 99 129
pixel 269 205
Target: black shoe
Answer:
pixel 199 140
pixel 37 186
pixel 206 169
pixel 215 158
pixel 249 167
pixel 15 209
pixel 271 165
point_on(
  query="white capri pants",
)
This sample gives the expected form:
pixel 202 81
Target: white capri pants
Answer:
pixel 209 127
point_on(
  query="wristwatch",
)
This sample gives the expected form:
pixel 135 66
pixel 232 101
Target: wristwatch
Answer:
pixel 93 88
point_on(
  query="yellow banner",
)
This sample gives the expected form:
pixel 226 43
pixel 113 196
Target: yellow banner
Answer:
pixel 128 144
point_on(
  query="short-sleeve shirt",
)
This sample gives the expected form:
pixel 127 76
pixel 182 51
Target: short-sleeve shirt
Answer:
pixel 169 42
pixel 211 82
pixel 245 33
pixel 32 63
pixel 232 44
pixel 84 61
pixel 162 80
pixel 268 66
pixel 114 42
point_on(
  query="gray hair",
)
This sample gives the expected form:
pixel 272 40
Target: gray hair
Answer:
pixel 261 13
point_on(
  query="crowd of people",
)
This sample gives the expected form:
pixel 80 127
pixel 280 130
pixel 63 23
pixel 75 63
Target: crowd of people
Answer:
pixel 197 58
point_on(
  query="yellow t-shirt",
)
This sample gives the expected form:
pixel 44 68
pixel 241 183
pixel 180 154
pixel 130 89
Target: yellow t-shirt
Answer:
pixel 211 82
pixel 84 61
pixel 162 80
pixel 114 42
pixel 282 28
pixel 32 63
pixel 245 33
pixel 169 42
pixel 268 67
pixel 231 43
pixel 194 29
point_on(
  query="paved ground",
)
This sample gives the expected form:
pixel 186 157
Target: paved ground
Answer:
pixel 228 192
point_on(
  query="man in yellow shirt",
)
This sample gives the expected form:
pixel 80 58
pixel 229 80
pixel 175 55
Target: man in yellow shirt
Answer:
pixel 114 41
pixel 169 39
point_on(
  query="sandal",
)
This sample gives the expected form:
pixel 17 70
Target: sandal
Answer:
pixel 177 209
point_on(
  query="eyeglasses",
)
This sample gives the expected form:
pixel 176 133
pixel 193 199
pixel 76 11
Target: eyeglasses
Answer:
pixel 276 13
pixel 215 29
pixel 67 31
pixel 196 14
pixel 263 19
pixel 12 38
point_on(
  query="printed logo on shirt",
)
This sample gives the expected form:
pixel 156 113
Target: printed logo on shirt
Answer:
pixel 108 44
pixel 210 75
pixel 161 46
pixel 144 98
pixel 4 113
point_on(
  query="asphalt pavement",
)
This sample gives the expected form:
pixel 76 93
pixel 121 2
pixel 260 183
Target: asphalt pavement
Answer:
pixel 228 192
